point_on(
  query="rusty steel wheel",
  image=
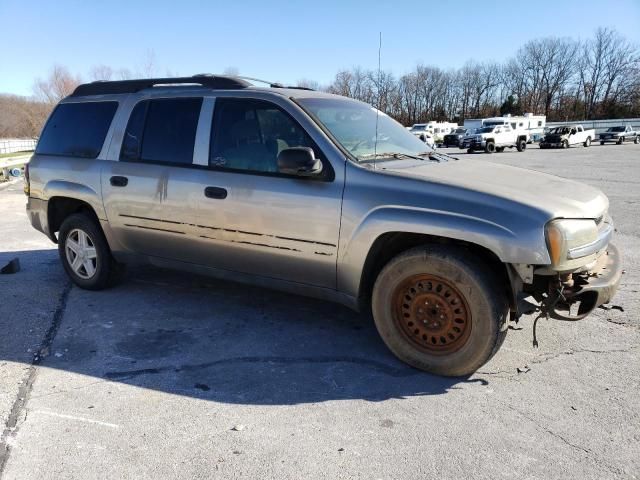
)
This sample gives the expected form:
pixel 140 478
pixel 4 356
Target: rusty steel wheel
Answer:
pixel 432 314
pixel 440 308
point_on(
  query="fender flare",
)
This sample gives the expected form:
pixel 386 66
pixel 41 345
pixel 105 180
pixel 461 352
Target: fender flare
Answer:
pixel 504 243
pixel 76 191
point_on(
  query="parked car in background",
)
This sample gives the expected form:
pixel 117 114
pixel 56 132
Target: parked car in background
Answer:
pixel 566 136
pixel 454 139
pixel 285 188
pixel 437 130
pixel 494 139
pixel 619 135
pixel 421 131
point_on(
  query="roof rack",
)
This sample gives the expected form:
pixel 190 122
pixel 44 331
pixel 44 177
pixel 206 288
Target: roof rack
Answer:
pixel 101 87
pixel 274 84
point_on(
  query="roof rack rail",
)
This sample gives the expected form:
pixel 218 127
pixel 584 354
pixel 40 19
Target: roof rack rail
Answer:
pixel 274 84
pixel 216 82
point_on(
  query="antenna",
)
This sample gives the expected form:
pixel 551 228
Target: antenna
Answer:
pixel 375 145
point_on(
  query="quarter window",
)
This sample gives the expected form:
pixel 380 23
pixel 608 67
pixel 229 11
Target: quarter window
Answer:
pixel 162 131
pixel 249 135
pixel 77 129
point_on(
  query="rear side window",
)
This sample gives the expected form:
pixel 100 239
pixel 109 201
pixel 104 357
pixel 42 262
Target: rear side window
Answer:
pixel 162 131
pixel 77 129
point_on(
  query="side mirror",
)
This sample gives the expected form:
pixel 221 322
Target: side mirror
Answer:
pixel 299 161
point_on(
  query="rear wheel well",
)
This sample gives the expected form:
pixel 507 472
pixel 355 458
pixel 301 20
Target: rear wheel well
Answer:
pixel 60 208
pixel 390 244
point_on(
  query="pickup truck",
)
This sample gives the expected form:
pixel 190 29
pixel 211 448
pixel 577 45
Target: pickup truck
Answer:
pixel 454 139
pixel 619 135
pixel 566 136
pixel 494 138
pixel 291 189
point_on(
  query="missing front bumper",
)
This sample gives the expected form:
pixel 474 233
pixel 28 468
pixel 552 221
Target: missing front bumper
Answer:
pixel 590 290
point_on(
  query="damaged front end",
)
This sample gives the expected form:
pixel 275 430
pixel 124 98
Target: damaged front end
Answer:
pixel 573 296
pixel 584 274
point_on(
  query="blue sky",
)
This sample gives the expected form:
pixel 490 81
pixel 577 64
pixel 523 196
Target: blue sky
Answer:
pixel 284 41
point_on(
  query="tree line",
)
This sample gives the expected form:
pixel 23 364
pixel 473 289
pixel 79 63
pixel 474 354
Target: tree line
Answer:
pixel 562 78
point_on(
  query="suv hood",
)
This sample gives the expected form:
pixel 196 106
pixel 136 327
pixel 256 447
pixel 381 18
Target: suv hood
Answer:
pixel 559 197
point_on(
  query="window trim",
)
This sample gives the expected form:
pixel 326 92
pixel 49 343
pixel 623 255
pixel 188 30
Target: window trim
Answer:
pixel 327 175
pixel 104 140
pixel 140 159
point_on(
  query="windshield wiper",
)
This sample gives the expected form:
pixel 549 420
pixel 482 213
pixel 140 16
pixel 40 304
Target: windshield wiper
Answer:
pixel 398 155
pixel 437 156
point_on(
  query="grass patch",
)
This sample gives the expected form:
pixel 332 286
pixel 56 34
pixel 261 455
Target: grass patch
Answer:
pixel 15 154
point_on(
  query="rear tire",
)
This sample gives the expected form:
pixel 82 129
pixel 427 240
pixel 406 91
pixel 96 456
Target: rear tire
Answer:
pixel 85 254
pixel 636 140
pixel 490 147
pixel 601 143
pixel 587 142
pixel 440 309
pixel 469 150
pixel 521 146
pixel 499 149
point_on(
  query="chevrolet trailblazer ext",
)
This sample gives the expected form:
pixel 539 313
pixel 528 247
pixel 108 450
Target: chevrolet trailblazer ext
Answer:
pixel 319 195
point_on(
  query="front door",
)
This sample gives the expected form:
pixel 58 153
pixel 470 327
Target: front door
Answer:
pixel 255 220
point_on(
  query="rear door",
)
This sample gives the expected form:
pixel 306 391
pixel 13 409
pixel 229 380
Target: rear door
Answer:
pixel 148 193
pixel 254 220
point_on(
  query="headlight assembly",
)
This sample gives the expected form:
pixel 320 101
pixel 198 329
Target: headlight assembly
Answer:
pixel 570 240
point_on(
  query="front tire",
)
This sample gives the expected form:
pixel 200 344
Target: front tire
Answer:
pixel 85 254
pixel 636 140
pixel 490 147
pixel 587 142
pixel 621 141
pixel 440 309
pixel 565 144
pixel 521 146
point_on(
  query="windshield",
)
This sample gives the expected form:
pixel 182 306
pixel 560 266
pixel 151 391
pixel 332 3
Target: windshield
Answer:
pixel 418 128
pixel 559 130
pixel 616 129
pixel 460 130
pixel 353 124
pixel 484 130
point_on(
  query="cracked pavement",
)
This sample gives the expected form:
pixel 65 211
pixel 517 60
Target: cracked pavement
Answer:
pixel 149 379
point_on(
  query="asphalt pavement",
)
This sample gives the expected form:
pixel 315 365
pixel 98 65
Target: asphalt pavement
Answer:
pixel 170 375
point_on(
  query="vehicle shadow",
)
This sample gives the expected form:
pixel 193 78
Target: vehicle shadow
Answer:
pixel 226 342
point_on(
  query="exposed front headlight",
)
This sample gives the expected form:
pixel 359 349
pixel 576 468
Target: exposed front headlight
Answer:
pixel 568 241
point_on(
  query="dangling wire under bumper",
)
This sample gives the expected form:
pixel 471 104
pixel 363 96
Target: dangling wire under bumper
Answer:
pixel 573 296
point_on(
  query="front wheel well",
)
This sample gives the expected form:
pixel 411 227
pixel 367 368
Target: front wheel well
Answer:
pixel 391 244
pixel 59 208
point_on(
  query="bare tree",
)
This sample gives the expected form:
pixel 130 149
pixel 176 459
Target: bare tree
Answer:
pixel 101 72
pixel 59 84
pixel 231 71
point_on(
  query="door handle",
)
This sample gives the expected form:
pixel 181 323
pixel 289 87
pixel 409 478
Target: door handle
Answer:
pixel 215 192
pixel 118 181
